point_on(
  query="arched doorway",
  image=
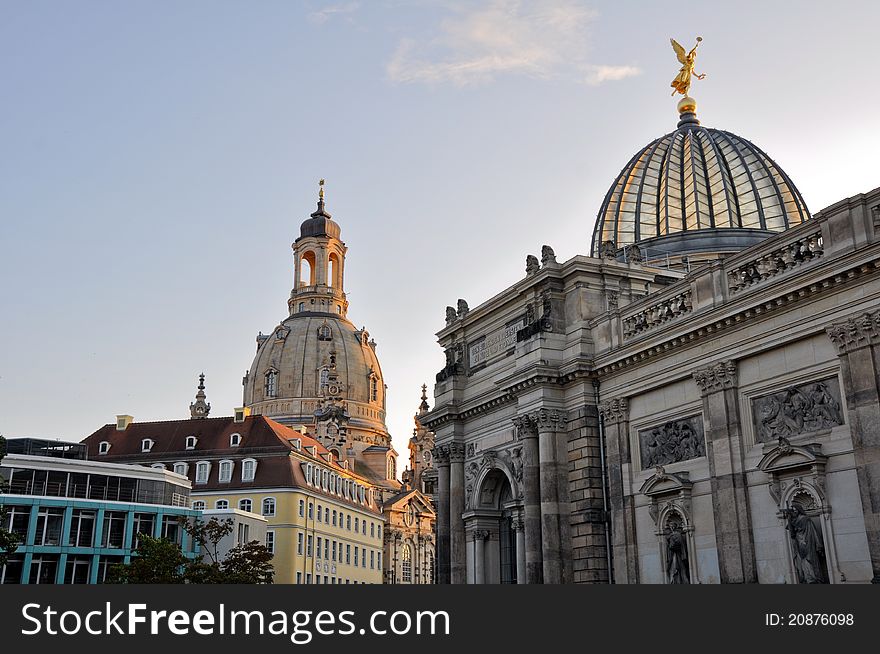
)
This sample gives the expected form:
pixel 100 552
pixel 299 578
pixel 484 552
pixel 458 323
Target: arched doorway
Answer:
pixel 496 552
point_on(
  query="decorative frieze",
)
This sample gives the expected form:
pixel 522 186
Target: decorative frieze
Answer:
pixel 796 410
pixel 716 377
pixel 614 411
pixel 855 332
pixel 657 314
pixel 549 419
pixel 671 442
pixel 790 255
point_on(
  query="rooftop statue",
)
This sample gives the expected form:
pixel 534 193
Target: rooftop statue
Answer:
pixel 682 82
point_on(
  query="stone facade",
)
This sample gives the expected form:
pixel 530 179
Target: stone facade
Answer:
pixel 610 420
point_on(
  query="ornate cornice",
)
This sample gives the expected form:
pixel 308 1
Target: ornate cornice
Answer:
pixel 480 534
pixel 614 411
pixel 717 377
pixel 855 332
pixel 441 455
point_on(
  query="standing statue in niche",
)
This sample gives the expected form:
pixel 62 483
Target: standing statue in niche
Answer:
pixel 806 544
pixel 677 571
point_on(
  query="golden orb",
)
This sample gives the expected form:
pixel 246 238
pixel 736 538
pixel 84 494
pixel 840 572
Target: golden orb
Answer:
pixel 687 105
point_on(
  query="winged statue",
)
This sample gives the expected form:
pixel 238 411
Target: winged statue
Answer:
pixel 682 82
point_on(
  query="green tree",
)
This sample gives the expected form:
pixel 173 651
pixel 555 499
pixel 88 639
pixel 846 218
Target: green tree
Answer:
pixel 160 561
pixel 154 561
pixel 8 540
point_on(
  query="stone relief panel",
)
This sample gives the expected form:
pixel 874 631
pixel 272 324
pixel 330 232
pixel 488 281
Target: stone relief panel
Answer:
pixel 671 442
pixel 796 410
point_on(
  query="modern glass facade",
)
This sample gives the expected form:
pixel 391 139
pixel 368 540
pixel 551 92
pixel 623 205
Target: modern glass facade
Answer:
pixel 75 519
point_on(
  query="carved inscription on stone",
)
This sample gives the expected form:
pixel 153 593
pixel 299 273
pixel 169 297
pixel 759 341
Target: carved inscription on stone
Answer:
pixel 676 440
pixel 796 410
pixel 496 343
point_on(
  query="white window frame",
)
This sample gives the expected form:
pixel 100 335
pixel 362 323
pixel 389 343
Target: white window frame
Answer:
pixel 183 465
pixel 274 506
pixel 159 466
pixel 145 447
pixel 225 479
pixel 199 505
pixel 248 500
pixel 302 508
pixel 219 502
pixel 206 466
pixel 270 541
pixel 191 442
pixel 244 467
pixel 234 439
pixel 103 447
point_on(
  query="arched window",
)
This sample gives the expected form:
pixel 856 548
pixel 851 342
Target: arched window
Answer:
pixel 181 468
pixel 198 505
pixel 246 504
pixel 374 389
pixel 103 447
pixel 271 383
pixel 324 333
pixel 235 440
pixel 307 269
pixel 407 564
pixel 222 505
pixel 333 271
pixel 269 506
pixel 392 468
pixel 301 307
pixel 158 466
pixel 248 469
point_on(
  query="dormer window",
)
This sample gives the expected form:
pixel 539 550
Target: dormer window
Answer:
pixel 181 468
pixel 103 447
pixel 225 471
pixel 158 466
pixel 202 470
pixel 248 469
pixel 146 445
pixel 324 333
pixel 271 383
pixel 235 440
pixel 191 442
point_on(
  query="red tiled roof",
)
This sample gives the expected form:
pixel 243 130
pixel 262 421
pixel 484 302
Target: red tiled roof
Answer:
pixel 263 439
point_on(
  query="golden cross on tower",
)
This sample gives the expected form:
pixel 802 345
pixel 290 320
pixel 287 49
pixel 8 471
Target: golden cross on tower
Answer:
pixel 682 82
pixel 321 189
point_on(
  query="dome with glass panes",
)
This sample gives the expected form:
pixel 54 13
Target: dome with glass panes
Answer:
pixel 695 193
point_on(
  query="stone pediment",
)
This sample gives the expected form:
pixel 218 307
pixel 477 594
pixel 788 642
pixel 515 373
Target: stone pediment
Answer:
pixel 664 483
pixel 784 456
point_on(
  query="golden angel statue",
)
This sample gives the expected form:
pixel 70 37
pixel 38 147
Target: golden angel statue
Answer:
pixel 682 82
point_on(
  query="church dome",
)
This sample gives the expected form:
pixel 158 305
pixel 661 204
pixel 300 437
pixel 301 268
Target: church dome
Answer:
pixel 696 190
pixel 311 356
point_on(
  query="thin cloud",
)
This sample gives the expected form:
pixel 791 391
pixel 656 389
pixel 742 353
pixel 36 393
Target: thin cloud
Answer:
pixel 538 39
pixel 324 14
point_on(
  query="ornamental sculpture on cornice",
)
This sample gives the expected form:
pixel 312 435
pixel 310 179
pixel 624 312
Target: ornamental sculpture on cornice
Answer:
pixel 856 331
pixel 613 411
pixel 717 377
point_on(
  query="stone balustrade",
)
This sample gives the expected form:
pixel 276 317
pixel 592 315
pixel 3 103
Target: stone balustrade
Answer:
pixel 784 258
pixel 657 313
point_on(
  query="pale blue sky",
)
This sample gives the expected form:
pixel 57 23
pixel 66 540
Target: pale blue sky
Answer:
pixel 157 158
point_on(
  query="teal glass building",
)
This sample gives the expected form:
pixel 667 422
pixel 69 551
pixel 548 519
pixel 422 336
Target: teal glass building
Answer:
pixel 76 518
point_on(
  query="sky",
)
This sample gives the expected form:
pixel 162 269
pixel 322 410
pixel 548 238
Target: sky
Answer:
pixel 157 159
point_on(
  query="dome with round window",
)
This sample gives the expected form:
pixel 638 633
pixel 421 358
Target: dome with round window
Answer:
pixel 696 192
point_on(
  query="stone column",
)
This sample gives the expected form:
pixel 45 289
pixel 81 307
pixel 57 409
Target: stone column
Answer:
pixel 442 551
pixel 719 386
pixel 621 501
pixel 519 526
pixel 858 346
pixel 457 543
pixel 480 536
pixel 555 504
pixel 527 431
